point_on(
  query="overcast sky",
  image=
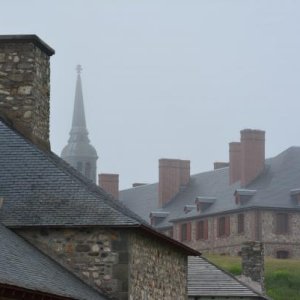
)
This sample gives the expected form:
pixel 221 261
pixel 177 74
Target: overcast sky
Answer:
pixel 169 79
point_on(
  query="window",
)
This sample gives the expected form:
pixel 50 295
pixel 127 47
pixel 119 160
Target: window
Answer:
pixel 282 254
pixel 240 223
pixel 79 166
pixel 202 230
pixel 224 226
pixel 282 223
pixel 185 232
pixel 88 170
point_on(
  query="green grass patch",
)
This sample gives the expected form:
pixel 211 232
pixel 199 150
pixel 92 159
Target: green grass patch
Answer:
pixel 282 276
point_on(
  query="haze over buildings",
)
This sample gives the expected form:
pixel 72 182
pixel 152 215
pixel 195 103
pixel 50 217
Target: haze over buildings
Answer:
pixel 169 78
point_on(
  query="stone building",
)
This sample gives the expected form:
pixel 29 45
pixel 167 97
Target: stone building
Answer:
pixel 250 198
pixel 63 237
pixel 60 219
pixel 79 153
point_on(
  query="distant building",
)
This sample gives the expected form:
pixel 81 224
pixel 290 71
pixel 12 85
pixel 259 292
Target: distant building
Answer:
pixel 63 237
pixel 248 199
pixel 79 153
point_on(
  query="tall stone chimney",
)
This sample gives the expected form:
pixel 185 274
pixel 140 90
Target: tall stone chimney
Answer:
pixel 25 85
pixel 252 154
pixel 234 162
pixel 110 184
pixel 174 174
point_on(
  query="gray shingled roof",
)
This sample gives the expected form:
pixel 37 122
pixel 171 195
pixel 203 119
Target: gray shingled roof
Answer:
pixel 206 279
pixel 273 186
pixel 41 189
pixel 24 266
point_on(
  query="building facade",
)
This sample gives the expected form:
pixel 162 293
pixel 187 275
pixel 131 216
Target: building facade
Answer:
pixel 248 199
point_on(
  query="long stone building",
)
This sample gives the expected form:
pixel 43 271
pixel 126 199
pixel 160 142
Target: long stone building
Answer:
pixel 248 198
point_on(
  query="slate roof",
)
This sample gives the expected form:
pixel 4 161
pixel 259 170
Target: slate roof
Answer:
pixel 207 280
pixel 273 186
pixel 24 266
pixel 41 189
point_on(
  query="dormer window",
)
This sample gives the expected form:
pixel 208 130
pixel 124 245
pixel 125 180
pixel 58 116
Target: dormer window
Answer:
pixel 203 203
pixel 157 216
pixel 295 194
pixel 243 195
pixel 189 208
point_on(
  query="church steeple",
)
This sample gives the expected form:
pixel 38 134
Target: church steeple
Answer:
pixel 79 152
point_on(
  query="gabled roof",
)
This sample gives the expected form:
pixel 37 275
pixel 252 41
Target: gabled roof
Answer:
pixel 23 266
pixel 207 280
pixel 40 189
pixel 273 186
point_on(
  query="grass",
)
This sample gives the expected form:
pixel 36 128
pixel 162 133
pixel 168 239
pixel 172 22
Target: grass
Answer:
pixel 282 276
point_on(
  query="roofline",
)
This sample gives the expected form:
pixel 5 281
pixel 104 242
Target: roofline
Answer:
pixel 232 276
pixel 153 231
pixel 192 252
pixel 27 38
pixel 225 212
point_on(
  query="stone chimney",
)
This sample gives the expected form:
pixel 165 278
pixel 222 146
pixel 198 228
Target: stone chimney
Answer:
pixel 110 183
pixel 174 174
pixel 252 154
pixel 25 85
pixel 253 265
pixel 234 162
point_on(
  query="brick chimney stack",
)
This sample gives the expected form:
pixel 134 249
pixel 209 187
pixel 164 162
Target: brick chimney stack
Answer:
pixel 174 174
pixel 25 85
pixel 234 162
pixel 110 184
pixel 252 154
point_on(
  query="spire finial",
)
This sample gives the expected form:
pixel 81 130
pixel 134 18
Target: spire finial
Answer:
pixel 78 69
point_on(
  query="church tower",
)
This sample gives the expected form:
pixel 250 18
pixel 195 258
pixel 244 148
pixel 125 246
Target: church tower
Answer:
pixel 79 152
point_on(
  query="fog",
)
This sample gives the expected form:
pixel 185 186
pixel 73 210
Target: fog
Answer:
pixel 168 79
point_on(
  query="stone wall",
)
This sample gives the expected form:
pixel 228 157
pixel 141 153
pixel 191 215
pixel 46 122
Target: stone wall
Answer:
pixel 258 226
pixel 253 263
pixel 277 242
pixel 98 256
pixel 157 271
pixel 24 88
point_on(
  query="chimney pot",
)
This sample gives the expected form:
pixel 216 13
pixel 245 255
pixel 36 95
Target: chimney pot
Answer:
pixel 174 174
pixel 234 162
pixel 252 154
pixel 110 183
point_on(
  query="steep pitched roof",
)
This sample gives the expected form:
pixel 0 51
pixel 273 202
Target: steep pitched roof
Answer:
pixel 24 266
pixel 40 189
pixel 273 186
pixel 207 280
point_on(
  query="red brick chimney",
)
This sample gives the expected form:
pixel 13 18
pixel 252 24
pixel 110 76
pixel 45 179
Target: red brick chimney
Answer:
pixel 110 183
pixel 234 162
pixel 25 85
pixel 174 174
pixel 252 154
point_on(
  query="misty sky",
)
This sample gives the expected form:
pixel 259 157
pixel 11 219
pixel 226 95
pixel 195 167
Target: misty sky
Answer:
pixel 172 79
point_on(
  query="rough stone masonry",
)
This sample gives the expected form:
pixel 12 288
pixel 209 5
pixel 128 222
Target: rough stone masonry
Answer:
pixel 24 85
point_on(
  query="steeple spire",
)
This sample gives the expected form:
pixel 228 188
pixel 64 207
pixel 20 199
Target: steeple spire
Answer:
pixel 79 152
pixel 78 122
